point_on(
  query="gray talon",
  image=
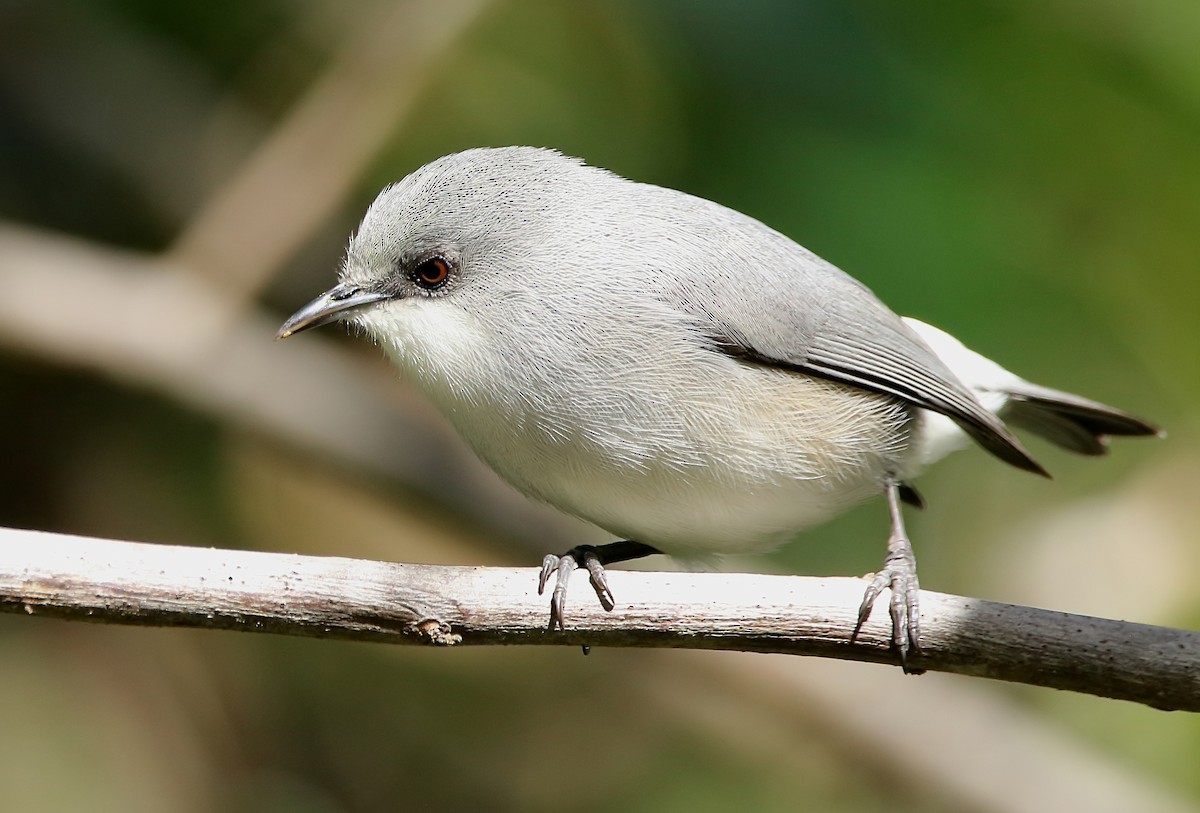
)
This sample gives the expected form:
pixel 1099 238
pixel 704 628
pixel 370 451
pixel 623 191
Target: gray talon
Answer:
pixel 592 557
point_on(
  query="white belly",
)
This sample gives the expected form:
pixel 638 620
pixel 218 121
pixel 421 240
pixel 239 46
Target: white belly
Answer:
pixel 686 449
pixel 740 473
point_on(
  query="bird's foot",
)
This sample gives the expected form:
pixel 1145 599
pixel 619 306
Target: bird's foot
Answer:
pixel 899 575
pixel 564 566
pixel 593 558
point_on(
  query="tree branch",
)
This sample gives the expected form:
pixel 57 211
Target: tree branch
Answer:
pixel 108 581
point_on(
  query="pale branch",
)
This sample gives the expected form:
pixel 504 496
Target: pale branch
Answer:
pixel 117 582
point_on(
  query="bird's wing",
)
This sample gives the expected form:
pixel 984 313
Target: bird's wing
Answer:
pixel 837 329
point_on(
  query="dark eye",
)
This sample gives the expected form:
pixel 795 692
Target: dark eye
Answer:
pixel 432 273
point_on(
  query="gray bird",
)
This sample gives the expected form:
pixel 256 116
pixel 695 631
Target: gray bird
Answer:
pixel 668 369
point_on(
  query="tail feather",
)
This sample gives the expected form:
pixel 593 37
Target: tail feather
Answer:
pixel 1074 423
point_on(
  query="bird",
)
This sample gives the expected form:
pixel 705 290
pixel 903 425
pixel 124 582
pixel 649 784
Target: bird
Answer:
pixel 671 370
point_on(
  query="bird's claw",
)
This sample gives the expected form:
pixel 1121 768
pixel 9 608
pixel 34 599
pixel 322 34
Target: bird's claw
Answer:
pixel 585 556
pixel 899 575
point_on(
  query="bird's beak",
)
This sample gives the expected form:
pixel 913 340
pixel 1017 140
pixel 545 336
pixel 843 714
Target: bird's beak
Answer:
pixel 329 306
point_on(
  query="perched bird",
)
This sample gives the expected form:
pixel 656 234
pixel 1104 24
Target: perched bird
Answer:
pixel 668 369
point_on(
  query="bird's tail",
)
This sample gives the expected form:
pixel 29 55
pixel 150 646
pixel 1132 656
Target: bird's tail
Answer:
pixel 1074 423
pixel 1070 421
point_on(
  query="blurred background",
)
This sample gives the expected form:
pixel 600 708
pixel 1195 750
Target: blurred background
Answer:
pixel 176 178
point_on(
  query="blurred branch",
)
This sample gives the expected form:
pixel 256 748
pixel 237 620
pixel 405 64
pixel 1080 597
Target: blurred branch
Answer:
pixel 266 211
pixel 108 581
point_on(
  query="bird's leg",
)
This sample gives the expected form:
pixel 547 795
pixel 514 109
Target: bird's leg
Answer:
pixel 594 558
pixel 899 574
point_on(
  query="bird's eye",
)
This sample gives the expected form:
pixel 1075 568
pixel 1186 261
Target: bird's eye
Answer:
pixel 432 273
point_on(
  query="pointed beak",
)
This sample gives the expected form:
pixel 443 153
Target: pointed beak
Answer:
pixel 328 307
